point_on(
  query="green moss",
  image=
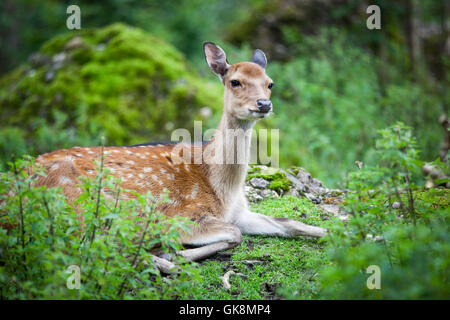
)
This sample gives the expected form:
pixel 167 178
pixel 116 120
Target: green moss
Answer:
pixel 117 81
pixel 438 198
pixel 293 170
pixel 289 265
pixel 278 180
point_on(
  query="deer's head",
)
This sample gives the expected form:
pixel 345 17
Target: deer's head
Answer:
pixel 247 86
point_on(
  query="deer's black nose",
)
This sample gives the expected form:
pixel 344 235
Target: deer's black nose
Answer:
pixel 264 105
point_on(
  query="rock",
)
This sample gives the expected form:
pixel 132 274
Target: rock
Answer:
pixel 268 193
pixel 316 183
pixel 100 47
pixel 76 42
pixel 304 176
pixel 293 192
pixel 252 195
pixel 58 60
pixel 296 183
pixel 396 205
pixel 335 210
pixel 37 60
pixel 330 208
pixel 313 198
pixel 49 76
pixel 259 183
pixel 255 195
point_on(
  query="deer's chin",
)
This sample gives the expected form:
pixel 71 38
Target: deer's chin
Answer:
pixel 255 115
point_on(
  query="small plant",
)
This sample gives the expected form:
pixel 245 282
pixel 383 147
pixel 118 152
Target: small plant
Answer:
pixel 395 225
pixel 108 239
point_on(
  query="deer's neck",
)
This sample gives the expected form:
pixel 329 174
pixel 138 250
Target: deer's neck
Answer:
pixel 232 140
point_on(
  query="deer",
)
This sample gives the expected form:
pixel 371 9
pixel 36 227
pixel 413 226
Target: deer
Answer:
pixel 210 193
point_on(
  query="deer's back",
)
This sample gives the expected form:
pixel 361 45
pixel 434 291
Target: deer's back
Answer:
pixel 147 168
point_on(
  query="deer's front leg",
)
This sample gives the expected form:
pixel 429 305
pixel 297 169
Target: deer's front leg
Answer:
pixel 255 223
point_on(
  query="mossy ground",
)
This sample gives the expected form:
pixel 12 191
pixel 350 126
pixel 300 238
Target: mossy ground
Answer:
pixel 286 268
pixel 277 179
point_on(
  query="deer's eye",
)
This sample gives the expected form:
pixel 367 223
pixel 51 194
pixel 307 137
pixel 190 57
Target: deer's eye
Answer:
pixel 235 83
pixel 270 86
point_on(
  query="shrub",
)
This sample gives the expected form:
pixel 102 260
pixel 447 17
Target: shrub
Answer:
pixel 395 225
pixel 107 238
pixel 329 103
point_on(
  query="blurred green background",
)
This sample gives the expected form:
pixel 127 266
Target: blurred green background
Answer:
pixel 135 71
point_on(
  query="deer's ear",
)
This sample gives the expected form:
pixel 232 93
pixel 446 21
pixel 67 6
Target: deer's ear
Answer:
pixel 216 58
pixel 259 58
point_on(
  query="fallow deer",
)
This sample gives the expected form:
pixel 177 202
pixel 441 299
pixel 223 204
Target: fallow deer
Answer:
pixel 210 194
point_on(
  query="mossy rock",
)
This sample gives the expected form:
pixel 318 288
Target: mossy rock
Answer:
pixel 117 81
pixel 277 178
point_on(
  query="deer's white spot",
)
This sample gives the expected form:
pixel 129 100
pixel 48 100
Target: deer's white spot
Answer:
pixel 140 184
pixel 148 169
pixel 162 170
pixel 54 166
pixel 154 157
pixel 194 192
pixel 115 151
pixel 130 162
pixel 155 177
pixel 90 152
pixel 128 151
pixel 141 175
pixel 65 180
pixel 78 154
pixel 130 175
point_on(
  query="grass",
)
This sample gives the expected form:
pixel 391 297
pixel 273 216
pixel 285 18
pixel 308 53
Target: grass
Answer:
pixel 284 268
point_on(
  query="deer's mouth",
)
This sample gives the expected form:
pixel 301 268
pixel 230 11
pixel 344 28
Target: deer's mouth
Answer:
pixel 260 114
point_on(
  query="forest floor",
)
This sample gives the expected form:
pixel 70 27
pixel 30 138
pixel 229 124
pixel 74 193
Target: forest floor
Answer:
pixel 275 267
pixel 268 267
